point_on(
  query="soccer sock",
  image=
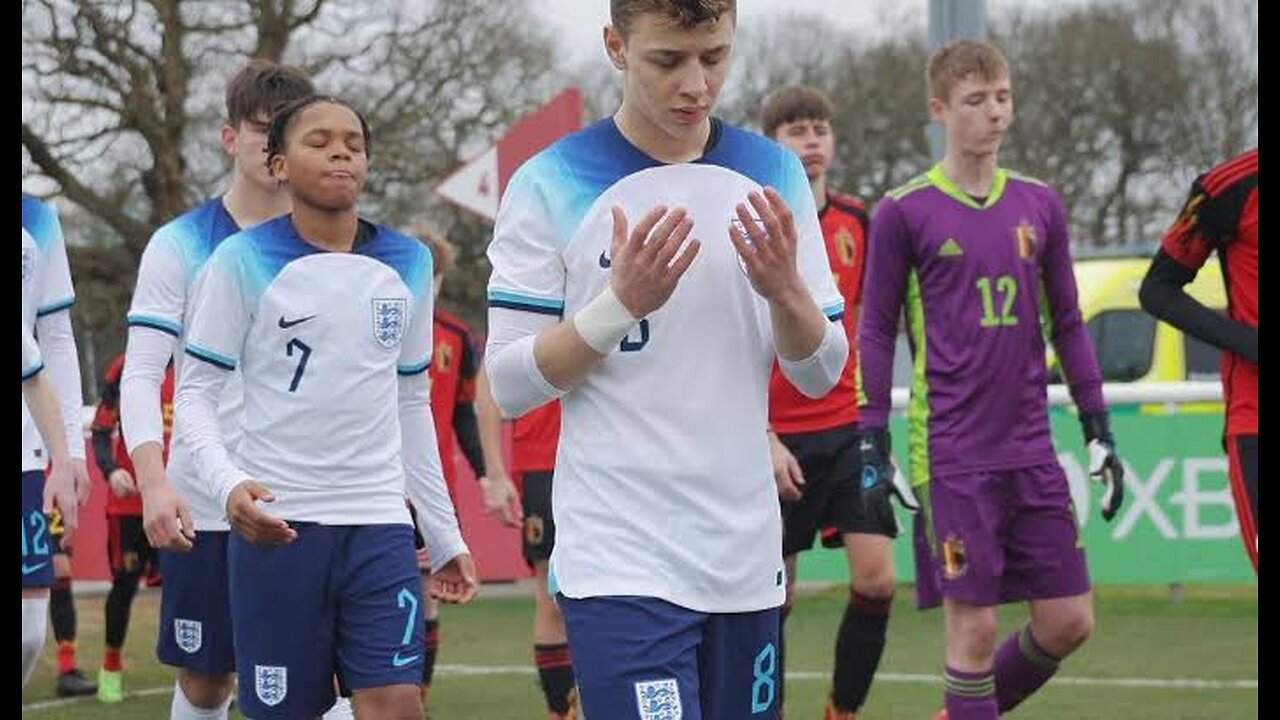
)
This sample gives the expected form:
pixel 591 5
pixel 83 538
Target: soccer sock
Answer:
pixel 66 656
pixel 119 600
pixel 1022 666
pixel 341 710
pixel 970 695
pixel 62 612
pixel 859 646
pixel 429 658
pixel 34 614
pixel 111 660
pixel 182 709
pixel 555 672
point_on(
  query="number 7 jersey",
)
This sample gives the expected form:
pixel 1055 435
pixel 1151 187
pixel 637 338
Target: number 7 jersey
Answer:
pixel 982 285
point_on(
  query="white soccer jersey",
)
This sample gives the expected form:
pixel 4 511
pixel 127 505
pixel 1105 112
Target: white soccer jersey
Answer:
pixel 46 289
pixel 322 340
pixel 171 263
pixel 31 360
pixel 663 484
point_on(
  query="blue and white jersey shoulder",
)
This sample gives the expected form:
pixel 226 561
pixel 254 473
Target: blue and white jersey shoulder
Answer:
pixel 319 338
pixel 173 258
pixel 46 275
pixel 672 425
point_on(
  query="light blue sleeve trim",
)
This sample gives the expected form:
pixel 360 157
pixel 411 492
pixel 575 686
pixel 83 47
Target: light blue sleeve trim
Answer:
pixel 31 372
pixel 211 357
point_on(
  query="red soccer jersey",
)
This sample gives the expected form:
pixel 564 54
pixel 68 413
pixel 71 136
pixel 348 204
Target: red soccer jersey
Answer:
pixel 453 382
pixel 107 419
pixel 844 226
pixel 1222 214
pixel 535 438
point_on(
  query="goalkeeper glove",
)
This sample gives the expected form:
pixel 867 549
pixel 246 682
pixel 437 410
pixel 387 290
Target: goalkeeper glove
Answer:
pixel 1104 465
pixel 880 477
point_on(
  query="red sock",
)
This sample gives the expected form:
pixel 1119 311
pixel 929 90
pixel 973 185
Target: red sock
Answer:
pixel 66 656
pixel 111 660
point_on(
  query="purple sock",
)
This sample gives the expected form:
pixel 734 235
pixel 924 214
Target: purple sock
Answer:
pixel 970 695
pixel 1022 667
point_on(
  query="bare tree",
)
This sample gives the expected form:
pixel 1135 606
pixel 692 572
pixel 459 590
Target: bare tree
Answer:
pixel 122 99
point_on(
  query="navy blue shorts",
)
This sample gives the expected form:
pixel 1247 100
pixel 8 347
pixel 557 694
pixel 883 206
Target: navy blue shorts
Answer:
pixel 344 600
pixel 37 546
pixel 641 658
pixel 195 608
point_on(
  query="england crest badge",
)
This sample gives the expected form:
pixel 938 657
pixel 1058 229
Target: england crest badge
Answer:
pixel 389 318
pixel 270 683
pixel 189 634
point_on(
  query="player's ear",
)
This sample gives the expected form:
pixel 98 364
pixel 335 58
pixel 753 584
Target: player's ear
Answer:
pixel 937 109
pixel 614 45
pixel 279 168
pixel 227 136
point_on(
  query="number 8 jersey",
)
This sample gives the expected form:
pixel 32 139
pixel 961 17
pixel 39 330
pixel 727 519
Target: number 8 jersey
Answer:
pixel 663 485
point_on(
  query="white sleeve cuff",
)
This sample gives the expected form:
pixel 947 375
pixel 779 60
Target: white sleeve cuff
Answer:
pixel 817 374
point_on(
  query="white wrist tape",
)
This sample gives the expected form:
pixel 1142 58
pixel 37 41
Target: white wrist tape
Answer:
pixel 604 322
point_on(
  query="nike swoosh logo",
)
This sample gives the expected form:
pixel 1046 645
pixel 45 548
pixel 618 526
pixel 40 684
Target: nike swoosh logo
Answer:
pixel 28 569
pixel 286 324
pixel 605 262
pixel 402 661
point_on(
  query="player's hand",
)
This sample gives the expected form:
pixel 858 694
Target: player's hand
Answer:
pixel 768 248
pixel 456 581
pixel 60 494
pixel 786 471
pixel 80 476
pixel 1104 465
pixel 501 499
pixel 646 263
pixel 121 483
pixel 255 525
pixel 880 476
pixel 166 518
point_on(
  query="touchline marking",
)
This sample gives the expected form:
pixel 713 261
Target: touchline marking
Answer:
pixel 806 675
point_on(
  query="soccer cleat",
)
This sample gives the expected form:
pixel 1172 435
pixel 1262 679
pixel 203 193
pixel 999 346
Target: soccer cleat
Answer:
pixel 110 686
pixel 942 715
pixel 73 683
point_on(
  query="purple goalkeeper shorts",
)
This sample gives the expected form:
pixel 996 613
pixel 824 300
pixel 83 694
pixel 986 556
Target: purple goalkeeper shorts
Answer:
pixel 995 537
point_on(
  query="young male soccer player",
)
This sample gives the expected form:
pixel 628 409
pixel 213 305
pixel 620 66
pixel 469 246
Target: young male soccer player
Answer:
pixel 534 438
pixel 1221 214
pixel 452 379
pixel 679 281
pixel 46 297
pixel 815 442
pixel 337 427
pixel 130 554
pixel 195 616
pixel 974 251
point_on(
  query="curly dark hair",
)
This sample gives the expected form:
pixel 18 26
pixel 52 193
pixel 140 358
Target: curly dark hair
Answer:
pixel 278 131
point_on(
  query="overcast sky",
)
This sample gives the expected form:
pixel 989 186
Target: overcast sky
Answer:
pixel 580 20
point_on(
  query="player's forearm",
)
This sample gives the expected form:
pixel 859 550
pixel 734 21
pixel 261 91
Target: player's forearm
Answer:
pixel 424 479
pixel 146 360
pixel 468 432
pixel 1163 295
pixel 196 420
pixel 42 403
pixel 148 465
pixel 811 349
pixel 489 426
pixel 58 347
pixel 103 453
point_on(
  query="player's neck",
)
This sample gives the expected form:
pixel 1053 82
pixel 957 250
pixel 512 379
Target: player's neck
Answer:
pixel 657 144
pixel 329 230
pixel 249 205
pixel 974 174
pixel 819 187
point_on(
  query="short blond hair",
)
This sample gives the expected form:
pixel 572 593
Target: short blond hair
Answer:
pixel 959 59
pixel 443 252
